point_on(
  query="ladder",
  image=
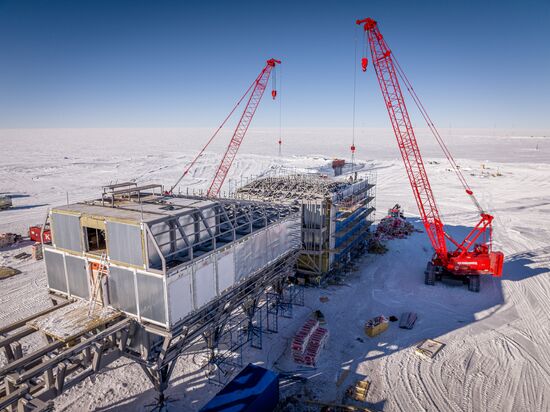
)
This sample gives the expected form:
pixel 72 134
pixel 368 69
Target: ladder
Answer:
pixel 103 270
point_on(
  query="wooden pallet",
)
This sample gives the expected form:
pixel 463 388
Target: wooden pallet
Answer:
pixel 429 348
pixel 71 321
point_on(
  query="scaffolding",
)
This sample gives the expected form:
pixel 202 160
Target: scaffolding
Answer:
pixel 336 215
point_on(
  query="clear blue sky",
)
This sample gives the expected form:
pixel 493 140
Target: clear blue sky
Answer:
pixel 183 63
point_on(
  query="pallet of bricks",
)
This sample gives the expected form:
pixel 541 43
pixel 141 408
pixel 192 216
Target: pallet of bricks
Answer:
pixel 308 342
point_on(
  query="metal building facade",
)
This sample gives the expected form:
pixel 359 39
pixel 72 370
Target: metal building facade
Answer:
pixel 169 256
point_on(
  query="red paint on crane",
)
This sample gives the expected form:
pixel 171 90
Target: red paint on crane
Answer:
pixel 240 131
pixel 469 257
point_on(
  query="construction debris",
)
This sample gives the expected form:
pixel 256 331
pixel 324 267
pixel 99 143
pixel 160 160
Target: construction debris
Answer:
pixel 8 272
pixel 9 239
pixel 22 255
pixel 308 342
pixel 376 246
pixel 376 326
pixel 393 228
pixel 429 348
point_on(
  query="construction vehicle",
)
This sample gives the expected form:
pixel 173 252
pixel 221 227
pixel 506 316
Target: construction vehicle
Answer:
pixel 256 90
pixel 472 257
pixel 396 211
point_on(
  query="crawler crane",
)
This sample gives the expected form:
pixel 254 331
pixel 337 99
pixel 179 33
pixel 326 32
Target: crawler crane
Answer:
pixel 471 257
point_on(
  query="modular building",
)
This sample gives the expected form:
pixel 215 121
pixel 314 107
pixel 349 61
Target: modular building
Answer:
pixel 336 214
pixel 167 256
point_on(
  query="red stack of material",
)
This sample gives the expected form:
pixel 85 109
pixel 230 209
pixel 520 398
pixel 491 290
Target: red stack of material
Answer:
pixel 308 342
pixel 393 227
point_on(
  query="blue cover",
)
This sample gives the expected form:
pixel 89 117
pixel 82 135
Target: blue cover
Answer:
pixel 253 389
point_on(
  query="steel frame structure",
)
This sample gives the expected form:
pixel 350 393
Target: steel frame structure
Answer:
pixel 313 192
pixel 31 380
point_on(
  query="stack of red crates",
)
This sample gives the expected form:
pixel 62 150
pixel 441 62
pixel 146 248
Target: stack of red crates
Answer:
pixel 308 342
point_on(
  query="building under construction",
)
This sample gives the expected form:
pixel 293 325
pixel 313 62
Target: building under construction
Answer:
pixel 140 274
pixel 336 215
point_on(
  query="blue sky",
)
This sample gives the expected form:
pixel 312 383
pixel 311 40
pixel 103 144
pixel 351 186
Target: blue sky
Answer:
pixel 183 63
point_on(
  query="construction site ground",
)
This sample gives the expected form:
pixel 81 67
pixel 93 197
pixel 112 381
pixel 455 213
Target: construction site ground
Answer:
pixel 497 342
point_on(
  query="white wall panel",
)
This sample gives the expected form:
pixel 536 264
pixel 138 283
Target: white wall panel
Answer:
pixel 226 270
pixel 204 282
pixel 180 295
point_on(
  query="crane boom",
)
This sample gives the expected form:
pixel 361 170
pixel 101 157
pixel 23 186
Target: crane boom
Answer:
pixel 240 131
pixel 469 258
pixel 406 139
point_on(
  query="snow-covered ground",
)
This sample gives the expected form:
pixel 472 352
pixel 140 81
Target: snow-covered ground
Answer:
pixel 497 353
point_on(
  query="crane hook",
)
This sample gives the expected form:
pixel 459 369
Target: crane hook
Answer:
pixel 273 93
pixel 364 63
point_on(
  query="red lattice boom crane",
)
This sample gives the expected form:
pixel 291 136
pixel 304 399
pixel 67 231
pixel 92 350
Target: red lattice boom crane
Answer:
pixel 471 257
pixel 258 87
pixel 240 131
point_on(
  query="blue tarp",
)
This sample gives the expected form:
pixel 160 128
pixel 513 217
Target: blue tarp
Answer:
pixel 253 389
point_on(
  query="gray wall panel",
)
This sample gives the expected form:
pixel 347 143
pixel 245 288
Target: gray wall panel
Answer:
pixel 124 243
pixel 67 233
pixel 55 271
pixel 151 297
pixel 78 278
pixel 122 293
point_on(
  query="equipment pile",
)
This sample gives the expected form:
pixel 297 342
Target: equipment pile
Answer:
pixel 393 228
pixel 308 342
pixel 8 239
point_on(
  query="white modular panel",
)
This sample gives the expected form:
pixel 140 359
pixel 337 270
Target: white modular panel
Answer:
pixel 180 295
pixel 243 259
pixel 204 282
pixel 273 241
pixel 259 250
pixel 226 269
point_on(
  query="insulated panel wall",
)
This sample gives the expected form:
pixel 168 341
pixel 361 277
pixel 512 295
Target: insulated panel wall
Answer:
pixel 55 271
pixel 243 259
pixel 259 249
pixel 77 276
pixel 226 269
pixel 122 291
pixel 204 282
pixel 180 295
pixel 67 233
pixel 151 297
pixel 273 241
pixel 125 243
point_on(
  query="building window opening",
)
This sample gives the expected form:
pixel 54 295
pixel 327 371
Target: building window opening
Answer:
pixel 95 240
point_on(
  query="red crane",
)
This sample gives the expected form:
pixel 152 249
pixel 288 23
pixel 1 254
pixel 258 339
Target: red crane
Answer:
pixel 471 257
pixel 240 131
pixel 258 87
